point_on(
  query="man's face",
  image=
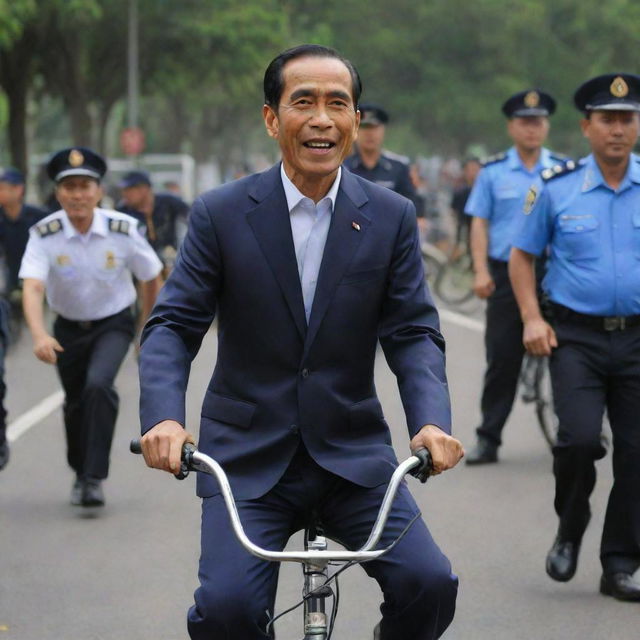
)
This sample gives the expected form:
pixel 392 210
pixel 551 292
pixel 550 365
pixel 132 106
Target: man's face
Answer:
pixel 611 134
pixel 136 196
pixel 371 137
pixel 78 196
pixel 10 194
pixel 528 133
pixel 316 122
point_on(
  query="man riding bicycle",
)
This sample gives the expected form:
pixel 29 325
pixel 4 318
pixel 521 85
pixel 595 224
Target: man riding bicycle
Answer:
pixel 307 267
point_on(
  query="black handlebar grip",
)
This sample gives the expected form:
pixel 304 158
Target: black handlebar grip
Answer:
pixel 187 451
pixel 135 446
pixel 423 471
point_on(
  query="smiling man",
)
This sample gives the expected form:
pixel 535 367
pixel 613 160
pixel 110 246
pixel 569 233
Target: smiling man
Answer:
pixel 588 214
pixel 307 267
pixel 82 257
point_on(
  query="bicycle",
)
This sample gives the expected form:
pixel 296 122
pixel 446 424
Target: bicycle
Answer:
pixel 454 281
pixel 433 260
pixel 535 383
pixel 316 557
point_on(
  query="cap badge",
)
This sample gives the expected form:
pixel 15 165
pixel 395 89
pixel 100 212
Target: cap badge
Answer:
pixel 619 88
pixel 532 99
pixel 76 158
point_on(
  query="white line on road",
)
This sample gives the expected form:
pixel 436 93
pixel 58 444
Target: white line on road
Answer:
pixel 23 423
pixel 460 320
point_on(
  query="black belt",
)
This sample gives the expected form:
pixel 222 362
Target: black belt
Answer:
pixel 87 325
pixel 602 323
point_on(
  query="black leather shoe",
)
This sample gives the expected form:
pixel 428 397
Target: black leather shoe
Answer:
pixel 92 494
pixel 485 452
pixel 621 586
pixel 76 492
pixel 4 454
pixel 562 560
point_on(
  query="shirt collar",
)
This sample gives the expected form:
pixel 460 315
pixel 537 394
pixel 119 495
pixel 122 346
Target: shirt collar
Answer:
pixel 544 161
pixel 593 176
pixel 99 224
pixel 294 197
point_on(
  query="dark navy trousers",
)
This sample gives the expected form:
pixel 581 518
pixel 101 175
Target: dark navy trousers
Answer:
pixel 237 590
pixel 594 371
pixel 93 353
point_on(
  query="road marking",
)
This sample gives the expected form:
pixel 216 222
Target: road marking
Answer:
pixel 23 423
pixel 462 321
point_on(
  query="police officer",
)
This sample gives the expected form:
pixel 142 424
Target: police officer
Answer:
pixel 15 219
pixel 589 215
pixel 495 202
pixel 375 164
pixel 82 257
pixel 162 216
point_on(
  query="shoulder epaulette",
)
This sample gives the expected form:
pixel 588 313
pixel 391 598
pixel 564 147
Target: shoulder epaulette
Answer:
pixel 498 157
pixel 119 226
pixel 396 156
pixel 560 157
pixel 559 170
pixel 49 228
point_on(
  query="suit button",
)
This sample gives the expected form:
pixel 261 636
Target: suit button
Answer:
pixel 305 373
pixel 294 428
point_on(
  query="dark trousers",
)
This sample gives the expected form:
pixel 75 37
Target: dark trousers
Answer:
pixel 593 371
pixel 504 352
pixel 237 590
pixel 5 311
pixel 93 353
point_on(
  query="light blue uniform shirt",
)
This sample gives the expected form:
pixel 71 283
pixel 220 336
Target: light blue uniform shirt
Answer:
pixel 310 227
pixel 498 195
pixel 594 237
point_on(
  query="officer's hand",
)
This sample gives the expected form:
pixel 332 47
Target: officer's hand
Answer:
pixel 45 348
pixel 539 337
pixel 483 284
pixel 446 451
pixel 162 445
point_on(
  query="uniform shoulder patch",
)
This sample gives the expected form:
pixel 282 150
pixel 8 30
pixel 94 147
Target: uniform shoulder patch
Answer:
pixel 559 170
pixel 498 157
pixel 560 157
pixel 119 226
pixel 49 228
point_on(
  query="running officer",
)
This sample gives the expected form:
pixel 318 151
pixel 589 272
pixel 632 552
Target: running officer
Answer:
pixel 82 257
pixel 589 215
pixel 495 203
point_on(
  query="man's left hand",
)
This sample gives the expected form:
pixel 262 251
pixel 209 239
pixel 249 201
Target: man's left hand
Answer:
pixel 446 451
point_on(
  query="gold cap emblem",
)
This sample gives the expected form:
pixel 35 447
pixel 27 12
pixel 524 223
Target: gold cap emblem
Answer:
pixel 619 88
pixel 532 99
pixel 76 158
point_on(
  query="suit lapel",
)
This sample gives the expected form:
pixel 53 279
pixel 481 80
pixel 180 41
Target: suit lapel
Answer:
pixel 348 227
pixel 272 227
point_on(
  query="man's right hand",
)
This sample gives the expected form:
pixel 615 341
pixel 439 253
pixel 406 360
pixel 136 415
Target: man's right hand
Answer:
pixel 539 337
pixel 45 348
pixel 162 445
pixel 483 284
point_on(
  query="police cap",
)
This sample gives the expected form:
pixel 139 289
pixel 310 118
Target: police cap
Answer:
pixel 531 102
pixel 134 178
pixel 76 161
pixel 12 176
pixel 609 92
pixel 372 115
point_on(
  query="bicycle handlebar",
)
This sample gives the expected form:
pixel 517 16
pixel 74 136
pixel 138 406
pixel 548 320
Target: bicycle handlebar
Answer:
pixel 418 465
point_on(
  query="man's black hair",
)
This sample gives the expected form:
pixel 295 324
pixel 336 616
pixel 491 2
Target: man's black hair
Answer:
pixel 274 82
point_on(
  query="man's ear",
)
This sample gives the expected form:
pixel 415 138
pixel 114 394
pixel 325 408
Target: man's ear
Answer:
pixel 271 121
pixel 584 125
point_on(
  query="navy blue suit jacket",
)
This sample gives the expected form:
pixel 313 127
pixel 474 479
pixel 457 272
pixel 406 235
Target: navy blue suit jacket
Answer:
pixel 277 380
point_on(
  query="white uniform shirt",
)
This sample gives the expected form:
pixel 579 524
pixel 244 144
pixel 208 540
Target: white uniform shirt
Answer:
pixel 88 276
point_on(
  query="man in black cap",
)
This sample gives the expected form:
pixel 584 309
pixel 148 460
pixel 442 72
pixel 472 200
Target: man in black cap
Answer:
pixel 83 257
pixel 587 215
pixel 376 164
pixel 495 203
pixel 162 216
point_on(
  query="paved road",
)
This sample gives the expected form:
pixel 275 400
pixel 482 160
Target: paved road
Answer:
pixel 130 573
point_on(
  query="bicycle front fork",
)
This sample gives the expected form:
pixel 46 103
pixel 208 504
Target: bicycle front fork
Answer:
pixel 316 591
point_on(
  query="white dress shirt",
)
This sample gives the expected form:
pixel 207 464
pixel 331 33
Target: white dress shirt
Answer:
pixel 88 276
pixel 310 227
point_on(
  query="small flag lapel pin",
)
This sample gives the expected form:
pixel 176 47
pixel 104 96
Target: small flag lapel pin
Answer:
pixel 355 226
